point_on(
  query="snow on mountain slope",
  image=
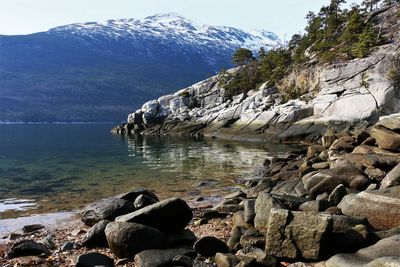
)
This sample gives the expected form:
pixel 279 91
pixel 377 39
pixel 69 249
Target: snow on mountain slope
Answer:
pixel 172 27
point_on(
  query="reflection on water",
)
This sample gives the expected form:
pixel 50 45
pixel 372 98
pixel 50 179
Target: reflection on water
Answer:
pixel 62 167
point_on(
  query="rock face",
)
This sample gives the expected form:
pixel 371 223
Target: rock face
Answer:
pixel 126 239
pixel 381 208
pixel 297 234
pixel 384 253
pixel 106 209
pixel 168 215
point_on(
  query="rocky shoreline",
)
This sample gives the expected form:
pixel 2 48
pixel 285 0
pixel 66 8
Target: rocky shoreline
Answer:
pixel 336 203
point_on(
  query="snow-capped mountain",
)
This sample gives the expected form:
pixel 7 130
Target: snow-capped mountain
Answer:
pixel 172 27
pixel 100 71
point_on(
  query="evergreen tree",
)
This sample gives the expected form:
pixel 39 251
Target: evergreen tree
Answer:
pixel 242 56
pixel 261 52
pixel 353 29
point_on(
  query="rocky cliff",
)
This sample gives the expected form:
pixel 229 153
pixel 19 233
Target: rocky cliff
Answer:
pixel 339 96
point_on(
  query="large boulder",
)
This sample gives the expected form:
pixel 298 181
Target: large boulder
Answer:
pixel 392 178
pixel 264 203
pixel 380 207
pixel 326 181
pixel 386 138
pixel 384 253
pixel 126 239
pixel 106 209
pixel 294 235
pixel 168 215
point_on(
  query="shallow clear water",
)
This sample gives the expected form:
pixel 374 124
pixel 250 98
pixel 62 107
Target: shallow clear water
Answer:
pixel 60 167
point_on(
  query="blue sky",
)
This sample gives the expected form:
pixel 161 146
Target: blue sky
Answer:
pixel 284 17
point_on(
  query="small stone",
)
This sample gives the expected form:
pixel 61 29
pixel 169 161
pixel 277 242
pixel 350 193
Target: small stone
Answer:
pixel 200 222
pixel 67 246
pixel 27 248
pixel 208 246
pixel 93 260
pixel 32 228
pixel 143 201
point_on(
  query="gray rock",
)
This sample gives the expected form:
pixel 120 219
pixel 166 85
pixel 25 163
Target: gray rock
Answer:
pixel 183 237
pixel 380 207
pixel 392 178
pixel 27 248
pixel 168 215
pixel 389 247
pixel 106 209
pixel 208 246
pixel 252 238
pixel 235 235
pixel 156 258
pixel 292 187
pixel 249 210
pixel 96 237
pixel 126 239
pixel 337 194
pixel 297 234
pixel 315 206
pixel 264 203
pixel 94 260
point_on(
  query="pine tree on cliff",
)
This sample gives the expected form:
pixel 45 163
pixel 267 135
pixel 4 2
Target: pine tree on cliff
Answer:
pixel 242 56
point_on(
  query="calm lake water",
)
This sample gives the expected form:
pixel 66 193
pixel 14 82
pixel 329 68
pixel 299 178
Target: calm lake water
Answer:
pixel 61 167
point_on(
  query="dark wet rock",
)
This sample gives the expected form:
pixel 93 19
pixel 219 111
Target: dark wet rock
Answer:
pixel 126 239
pixel 337 194
pixel 350 240
pixel 235 235
pixel 264 203
pixel 67 246
pixel 208 246
pixel 392 178
pixel 158 257
pixel 292 187
pixel 181 237
pixel 168 215
pixel 27 248
pixel 380 207
pixel 143 201
pixel 249 210
pixel 297 234
pixel 323 181
pixel 315 205
pixel 252 238
pixel 386 138
pixel 49 241
pixel 106 209
pixel 96 237
pixel 93 260
pixel 32 228
pixel 182 260
pixel 226 260
pixel 132 195
pixel 384 253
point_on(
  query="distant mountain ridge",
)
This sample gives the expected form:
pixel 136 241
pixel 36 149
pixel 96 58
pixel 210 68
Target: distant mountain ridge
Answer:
pixel 100 71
